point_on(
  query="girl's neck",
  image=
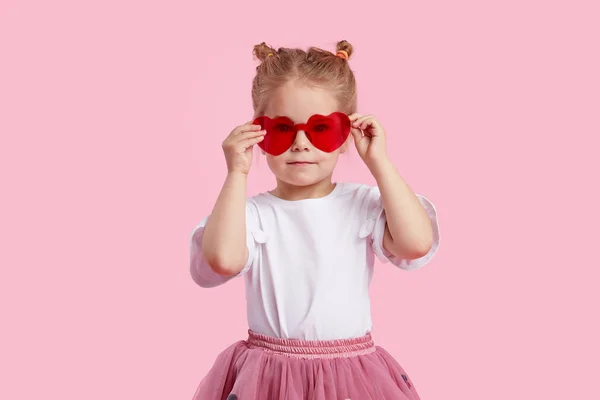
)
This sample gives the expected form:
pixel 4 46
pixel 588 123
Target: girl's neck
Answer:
pixel 287 191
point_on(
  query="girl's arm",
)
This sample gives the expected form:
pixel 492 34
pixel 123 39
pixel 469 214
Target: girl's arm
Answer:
pixel 224 242
pixel 408 233
pixel 224 245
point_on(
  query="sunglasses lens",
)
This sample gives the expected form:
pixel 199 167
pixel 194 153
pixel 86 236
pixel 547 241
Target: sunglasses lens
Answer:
pixel 279 137
pixel 329 133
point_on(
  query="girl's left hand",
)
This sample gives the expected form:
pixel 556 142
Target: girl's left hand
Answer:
pixel 369 138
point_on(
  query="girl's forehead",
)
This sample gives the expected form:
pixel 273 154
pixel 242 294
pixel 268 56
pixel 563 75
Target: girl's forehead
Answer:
pixel 300 102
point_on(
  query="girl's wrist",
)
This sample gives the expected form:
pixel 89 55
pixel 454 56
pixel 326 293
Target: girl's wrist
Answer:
pixel 235 175
pixel 380 166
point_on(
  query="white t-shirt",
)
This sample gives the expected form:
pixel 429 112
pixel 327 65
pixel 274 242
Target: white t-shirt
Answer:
pixel 311 261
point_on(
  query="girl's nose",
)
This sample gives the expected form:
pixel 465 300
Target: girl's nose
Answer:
pixel 301 142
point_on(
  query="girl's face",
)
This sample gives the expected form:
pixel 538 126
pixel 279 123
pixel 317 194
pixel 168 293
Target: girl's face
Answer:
pixel 302 164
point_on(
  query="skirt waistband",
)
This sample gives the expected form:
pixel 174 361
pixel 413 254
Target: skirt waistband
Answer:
pixel 296 348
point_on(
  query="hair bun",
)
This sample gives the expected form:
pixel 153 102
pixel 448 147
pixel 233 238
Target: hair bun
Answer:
pixel 344 45
pixel 262 51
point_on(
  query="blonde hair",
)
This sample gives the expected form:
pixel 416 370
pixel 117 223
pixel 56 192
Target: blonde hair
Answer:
pixel 315 67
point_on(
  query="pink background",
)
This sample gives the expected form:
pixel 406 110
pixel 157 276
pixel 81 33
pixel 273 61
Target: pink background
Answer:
pixel 112 116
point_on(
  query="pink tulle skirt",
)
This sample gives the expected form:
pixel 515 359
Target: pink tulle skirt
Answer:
pixel 266 368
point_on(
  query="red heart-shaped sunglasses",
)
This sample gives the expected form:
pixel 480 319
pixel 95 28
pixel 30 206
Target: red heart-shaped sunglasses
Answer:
pixel 326 132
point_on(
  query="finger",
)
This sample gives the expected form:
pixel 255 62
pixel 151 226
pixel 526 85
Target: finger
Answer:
pixel 367 123
pixel 359 122
pixel 362 116
pixel 353 117
pixel 249 128
pixel 356 134
pixel 236 139
pixel 239 128
pixel 250 135
pixel 245 128
pixel 250 142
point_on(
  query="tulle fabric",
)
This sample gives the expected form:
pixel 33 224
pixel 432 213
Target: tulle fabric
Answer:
pixel 265 368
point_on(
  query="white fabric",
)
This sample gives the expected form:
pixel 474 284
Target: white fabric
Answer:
pixel 311 261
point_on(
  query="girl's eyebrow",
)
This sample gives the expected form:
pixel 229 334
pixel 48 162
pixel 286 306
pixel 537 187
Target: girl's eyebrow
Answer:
pixel 284 116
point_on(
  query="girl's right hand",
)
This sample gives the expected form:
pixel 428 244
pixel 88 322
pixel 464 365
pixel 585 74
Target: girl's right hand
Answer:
pixel 239 144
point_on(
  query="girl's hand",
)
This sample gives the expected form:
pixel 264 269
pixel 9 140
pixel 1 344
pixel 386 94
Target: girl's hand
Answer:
pixel 369 138
pixel 238 146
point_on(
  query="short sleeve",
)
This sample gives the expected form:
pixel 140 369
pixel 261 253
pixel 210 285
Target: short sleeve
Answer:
pixel 201 272
pixel 376 226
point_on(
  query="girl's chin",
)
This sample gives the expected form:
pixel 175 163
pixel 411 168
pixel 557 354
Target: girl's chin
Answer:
pixel 302 179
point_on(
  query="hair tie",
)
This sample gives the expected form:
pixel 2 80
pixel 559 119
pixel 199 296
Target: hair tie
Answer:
pixel 342 54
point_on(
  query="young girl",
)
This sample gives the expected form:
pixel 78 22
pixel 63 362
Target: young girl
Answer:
pixel 307 248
